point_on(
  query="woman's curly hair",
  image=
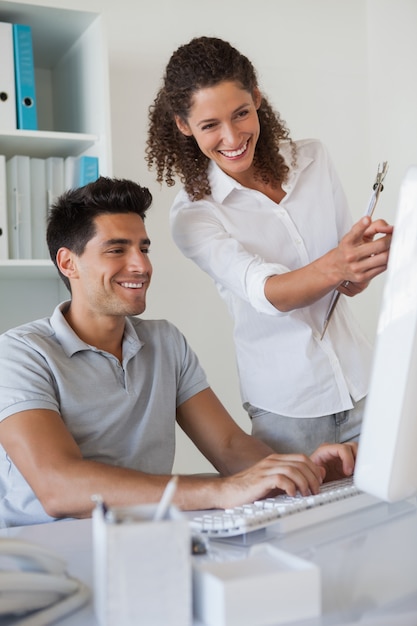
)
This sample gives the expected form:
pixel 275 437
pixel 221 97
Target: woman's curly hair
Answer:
pixel 205 62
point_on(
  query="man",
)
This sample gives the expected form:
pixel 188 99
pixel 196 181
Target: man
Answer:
pixel 89 397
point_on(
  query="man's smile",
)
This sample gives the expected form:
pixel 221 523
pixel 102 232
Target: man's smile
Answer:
pixel 135 285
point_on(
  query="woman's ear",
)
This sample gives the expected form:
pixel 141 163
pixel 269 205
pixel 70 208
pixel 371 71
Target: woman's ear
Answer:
pixel 257 97
pixel 183 126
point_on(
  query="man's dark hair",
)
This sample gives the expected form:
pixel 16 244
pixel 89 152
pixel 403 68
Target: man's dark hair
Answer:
pixel 71 219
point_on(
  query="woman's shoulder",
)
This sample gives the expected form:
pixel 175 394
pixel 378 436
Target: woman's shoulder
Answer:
pixel 308 147
pixel 183 204
pixel 305 151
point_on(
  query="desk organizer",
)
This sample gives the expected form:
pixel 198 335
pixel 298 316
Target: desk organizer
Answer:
pixel 268 587
pixel 142 567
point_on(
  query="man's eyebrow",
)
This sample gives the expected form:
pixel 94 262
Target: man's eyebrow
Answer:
pixel 122 241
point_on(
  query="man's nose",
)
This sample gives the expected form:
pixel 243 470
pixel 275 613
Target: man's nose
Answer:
pixel 139 261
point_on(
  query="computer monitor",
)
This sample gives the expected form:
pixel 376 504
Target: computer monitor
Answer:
pixel 386 466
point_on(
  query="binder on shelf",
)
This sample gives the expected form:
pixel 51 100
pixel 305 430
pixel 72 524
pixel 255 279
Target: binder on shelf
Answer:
pixel 18 206
pixel 86 170
pixel 39 208
pixel 4 236
pixel 25 78
pixel 69 172
pixel 80 171
pixel 54 172
pixel 7 79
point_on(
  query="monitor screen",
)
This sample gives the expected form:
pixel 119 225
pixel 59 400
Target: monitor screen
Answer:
pixel 387 458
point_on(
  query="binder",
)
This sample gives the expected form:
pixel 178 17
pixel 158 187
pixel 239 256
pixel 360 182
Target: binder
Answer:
pixel 18 206
pixel 4 236
pixel 39 208
pixel 80 171
pixel 86 170
pixel 69 172
pixel 54 172
pixel 25 78
pixel 7 79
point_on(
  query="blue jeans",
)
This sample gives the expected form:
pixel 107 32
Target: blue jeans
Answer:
pixel 305 434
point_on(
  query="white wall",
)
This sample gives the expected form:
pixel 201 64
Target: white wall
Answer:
pixel 343 71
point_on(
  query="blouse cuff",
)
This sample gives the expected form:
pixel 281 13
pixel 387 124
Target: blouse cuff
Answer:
pixel 256 287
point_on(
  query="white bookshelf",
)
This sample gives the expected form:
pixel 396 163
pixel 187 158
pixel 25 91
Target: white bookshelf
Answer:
pixel 44 143
pixel 73 106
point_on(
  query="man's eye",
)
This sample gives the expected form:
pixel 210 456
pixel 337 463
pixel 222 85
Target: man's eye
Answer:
pixel 145 250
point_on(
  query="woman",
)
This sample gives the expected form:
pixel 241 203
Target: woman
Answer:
pixel 267 219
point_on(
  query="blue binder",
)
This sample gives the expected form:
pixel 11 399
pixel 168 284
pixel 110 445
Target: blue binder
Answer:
pixel 86 170
pixel 25 78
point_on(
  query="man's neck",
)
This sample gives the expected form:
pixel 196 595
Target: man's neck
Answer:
pixel 104 333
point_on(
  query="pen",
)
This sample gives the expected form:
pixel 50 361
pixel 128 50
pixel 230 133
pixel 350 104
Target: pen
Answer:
pixel 99 502
pixel 376 190
pixel 166 499
pixel 333 302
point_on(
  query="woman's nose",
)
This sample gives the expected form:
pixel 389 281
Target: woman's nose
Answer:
pixel 230 135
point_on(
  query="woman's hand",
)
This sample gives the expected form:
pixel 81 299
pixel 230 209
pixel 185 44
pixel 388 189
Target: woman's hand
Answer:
pixel 337 459
pixel 363 254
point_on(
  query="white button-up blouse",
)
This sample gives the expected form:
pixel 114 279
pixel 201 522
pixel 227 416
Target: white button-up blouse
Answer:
pixel 240 237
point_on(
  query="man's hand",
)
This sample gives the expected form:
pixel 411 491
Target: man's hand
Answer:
pixel 337 460
pixel 289 473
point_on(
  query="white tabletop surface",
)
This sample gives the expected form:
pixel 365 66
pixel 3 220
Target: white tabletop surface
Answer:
pixel 368 563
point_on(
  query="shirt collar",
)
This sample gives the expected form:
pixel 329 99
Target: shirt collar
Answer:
pixel 71 343
pixel 222 184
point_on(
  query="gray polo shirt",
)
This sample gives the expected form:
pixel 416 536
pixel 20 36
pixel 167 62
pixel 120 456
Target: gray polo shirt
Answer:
pixel 120 414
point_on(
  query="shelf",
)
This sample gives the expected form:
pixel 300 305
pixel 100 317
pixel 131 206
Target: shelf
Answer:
pixel 54 29
pixel 27 269
pixel 42 144
pixel 72 95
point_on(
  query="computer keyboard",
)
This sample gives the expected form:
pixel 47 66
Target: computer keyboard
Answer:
pixel 287 513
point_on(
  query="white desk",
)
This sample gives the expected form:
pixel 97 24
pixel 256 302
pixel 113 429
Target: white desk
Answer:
pixel 368 562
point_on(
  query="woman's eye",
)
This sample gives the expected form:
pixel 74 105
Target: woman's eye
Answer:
pixel 208 126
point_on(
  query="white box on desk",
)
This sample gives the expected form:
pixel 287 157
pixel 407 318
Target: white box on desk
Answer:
pixel 268 587
pixel 142 568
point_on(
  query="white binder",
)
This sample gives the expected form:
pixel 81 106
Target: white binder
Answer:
pixel 4 236
pixel 69 172
pixel 55 184
pixel 7 79
pixel 18 204
pixel 39 208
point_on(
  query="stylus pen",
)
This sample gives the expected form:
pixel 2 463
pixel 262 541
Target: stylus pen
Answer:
pixel 376 190
pixel 165 501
